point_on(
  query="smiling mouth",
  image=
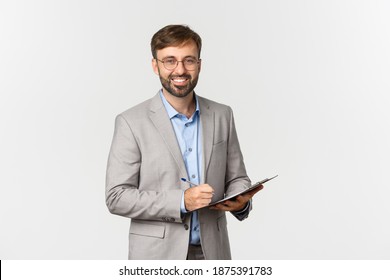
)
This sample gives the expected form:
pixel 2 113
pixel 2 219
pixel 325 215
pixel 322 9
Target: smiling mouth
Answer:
pixel 179 81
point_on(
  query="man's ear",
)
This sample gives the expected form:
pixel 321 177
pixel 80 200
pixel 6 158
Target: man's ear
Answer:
pixel 155 66
pixel 200 64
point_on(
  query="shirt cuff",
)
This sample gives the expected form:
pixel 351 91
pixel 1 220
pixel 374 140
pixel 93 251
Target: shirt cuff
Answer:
pixel 183 209
pixel 242 210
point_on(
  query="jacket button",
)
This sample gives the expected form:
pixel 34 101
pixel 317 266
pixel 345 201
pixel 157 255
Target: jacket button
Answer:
pixel 186 227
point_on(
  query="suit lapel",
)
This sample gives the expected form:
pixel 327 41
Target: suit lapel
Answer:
pixel 161 121
pixel 207 121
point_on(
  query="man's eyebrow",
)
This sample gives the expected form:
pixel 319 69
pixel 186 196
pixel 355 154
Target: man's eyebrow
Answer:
pixel 170 56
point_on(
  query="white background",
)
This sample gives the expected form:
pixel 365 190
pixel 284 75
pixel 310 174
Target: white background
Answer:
pixel 308 82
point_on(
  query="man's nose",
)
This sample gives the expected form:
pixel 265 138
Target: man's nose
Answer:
pixel 180 69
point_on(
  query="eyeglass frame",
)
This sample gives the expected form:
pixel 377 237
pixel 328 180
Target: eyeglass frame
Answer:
pixel 177 63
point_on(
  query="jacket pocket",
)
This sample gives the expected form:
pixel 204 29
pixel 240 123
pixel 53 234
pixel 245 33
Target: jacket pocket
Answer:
pixel 146 229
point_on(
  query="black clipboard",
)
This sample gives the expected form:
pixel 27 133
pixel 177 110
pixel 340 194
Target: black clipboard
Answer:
pixel 254 186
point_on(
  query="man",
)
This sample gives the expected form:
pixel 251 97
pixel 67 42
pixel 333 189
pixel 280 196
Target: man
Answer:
pixel 176 134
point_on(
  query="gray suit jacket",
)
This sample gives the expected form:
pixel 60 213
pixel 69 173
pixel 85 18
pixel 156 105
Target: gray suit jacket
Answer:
pixel 143 179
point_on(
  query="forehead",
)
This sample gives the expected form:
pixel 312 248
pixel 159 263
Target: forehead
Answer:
pixel 181 51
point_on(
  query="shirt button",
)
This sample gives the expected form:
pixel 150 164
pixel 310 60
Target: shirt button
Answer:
pixel 186 227
pixel 193 176
pixel 190 149
pixel 187 124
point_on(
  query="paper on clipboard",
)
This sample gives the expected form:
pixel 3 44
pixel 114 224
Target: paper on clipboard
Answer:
pixel 254 186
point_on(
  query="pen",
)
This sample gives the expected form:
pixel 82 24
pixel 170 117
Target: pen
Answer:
pixel 189 182
pixel 192 184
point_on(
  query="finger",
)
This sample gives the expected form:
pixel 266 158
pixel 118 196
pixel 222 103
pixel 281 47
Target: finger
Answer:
pixel 243 199
pixel 207 196
pixel 254 191
pixel 205 187
pixel 206 201
pixel 221 207
pixel 259 188
pixel 227 205
pixel 207 190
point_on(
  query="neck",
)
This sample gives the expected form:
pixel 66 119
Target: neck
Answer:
pixel 184 105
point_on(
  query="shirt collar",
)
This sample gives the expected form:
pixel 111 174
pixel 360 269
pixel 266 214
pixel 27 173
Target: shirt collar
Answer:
pixel 171 111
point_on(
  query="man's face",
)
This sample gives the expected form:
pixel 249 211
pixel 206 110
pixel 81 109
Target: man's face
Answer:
pixel 180 81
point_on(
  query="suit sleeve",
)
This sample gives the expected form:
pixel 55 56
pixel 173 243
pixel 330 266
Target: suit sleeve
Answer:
pixel 236 177
pixel 123 196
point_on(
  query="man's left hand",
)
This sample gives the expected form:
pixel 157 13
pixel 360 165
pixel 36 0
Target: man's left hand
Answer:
pixel 239 203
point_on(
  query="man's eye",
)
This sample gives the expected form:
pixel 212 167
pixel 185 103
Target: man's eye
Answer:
pixel 170 61
pixel 190 61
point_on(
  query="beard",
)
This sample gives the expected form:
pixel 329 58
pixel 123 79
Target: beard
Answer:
pixel 178 91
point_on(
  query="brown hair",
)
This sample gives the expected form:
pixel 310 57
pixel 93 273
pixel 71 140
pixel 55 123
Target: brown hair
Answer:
pixel 173 36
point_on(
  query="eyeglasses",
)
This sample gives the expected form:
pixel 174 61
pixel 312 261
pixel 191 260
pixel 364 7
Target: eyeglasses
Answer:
pixel 171 63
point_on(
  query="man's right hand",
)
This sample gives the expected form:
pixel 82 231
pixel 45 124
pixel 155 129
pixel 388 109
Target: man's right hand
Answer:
pixel 197 197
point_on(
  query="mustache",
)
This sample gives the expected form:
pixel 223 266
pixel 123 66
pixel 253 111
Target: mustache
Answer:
pixel 185 76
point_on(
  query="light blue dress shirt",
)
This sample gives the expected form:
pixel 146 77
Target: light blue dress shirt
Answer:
pixel 188 133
